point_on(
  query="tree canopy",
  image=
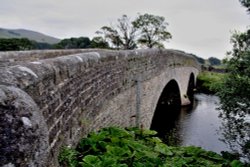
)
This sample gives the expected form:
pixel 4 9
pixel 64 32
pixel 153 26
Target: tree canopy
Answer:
pixel 146 30
pixel 214 61
pixel 235 94
pixel 121 35
pixel 74 43
pixel 16 44
pixel 152 30
pixel 99 42
pixel 246 3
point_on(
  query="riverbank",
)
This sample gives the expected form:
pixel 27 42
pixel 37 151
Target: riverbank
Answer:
pixel 209 82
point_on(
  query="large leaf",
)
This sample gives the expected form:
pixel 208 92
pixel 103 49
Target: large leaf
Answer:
pixel 91 161
pixel 163 149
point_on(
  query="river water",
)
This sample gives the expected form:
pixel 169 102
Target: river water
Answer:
pixel 198 125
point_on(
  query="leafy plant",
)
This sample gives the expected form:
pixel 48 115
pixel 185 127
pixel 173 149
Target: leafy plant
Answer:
pixel 132 147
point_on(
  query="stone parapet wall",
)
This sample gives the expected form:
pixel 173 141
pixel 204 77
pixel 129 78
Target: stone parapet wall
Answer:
pixel 69 92
pixel 18 57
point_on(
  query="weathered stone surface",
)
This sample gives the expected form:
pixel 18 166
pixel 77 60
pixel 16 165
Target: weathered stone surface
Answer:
pixel 18 57
pixel 24 137
pixel 68 93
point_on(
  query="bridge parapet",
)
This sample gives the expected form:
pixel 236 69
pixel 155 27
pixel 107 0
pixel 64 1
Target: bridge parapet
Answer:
pixel 75 92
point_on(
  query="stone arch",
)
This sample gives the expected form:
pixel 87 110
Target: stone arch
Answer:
pixel 169 102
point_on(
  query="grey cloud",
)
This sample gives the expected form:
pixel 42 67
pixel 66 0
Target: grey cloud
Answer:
pixel 199 26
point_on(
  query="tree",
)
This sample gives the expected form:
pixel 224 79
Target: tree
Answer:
pixel 111 36
pixel 152 30
pixel 42 45
pixel 235 94
pixel 147 30
pixel 122 35
pixel 214 61
pixel 99 42
pixel 128 32
pixel 246 3
pixel 16 44
pixel 73 43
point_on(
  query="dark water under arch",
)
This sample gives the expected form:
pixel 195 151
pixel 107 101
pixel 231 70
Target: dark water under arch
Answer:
pixel 167 109
pixel 197 125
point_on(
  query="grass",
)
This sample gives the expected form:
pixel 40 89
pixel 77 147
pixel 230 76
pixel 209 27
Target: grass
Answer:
pixel 210 82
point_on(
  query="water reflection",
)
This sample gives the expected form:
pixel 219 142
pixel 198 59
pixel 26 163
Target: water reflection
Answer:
pixel 196 125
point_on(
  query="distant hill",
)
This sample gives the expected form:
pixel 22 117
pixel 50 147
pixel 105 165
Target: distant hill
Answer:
pixel 31 35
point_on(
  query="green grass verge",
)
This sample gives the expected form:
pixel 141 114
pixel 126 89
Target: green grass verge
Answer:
pixel 210 82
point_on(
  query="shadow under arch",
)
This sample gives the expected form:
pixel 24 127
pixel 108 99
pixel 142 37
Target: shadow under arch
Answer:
pixel 167 109
pixel 190 88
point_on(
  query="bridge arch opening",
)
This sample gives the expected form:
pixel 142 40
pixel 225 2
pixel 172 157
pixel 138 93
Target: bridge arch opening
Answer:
pixel 190 89
pixel 167 109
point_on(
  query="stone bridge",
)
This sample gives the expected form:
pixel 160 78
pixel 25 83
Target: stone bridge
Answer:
pixel 50 99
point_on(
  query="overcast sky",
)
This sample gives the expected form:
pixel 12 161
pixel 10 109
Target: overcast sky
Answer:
pixel 202 27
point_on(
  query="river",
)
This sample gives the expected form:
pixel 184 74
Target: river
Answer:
pixel 197 125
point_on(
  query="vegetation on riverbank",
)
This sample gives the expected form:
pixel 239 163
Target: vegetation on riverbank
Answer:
pixel 117 147
pixel 235 93
pixel 209 82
